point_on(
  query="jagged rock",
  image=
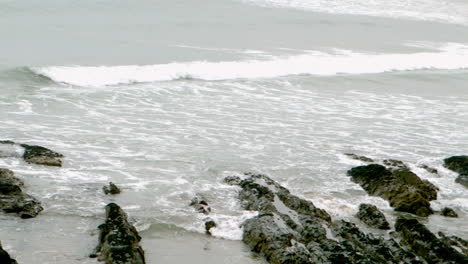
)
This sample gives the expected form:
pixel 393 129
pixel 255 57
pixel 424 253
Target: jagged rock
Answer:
pixel 118 240
pixel 12 198
pixel 41 155
pixel 456 242
pixel 361 158
pixel 395 164
pixel 289 229
pixel 425 244
pixel 111 189
pixel 5 257
pixel 429 169
pixel 458 164
pixel 372 216
pixel 404 190
pixel 448 212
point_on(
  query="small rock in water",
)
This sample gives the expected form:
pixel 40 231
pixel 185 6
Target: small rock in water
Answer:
pixel 397 164
pixel 200 204
pixel 361 158
pixel 232 180
pixel 209 223
pixel 458 164
pixel 372 216
pixel 41 155
pixel 118 239
pixel 8 142
pixel 12 198
pixel 5 257
pixel 449 212
pixel 111 189
pixel 429 169
pixel 462 179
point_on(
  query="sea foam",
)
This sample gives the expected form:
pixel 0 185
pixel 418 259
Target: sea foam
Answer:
pixel 449 57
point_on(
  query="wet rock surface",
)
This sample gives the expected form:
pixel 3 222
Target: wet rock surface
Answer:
pixel 372 216
pixel 12 198
pixel 425 244
pixel 458 164
pixel 200 204
pixel 357 157
pixel 111 189
pixel 404 190
pixel 456 242
pixel 429 169
pixel 41 155
pixel 449 212
pixel 5 257
pixel 118 239
pixel 289 229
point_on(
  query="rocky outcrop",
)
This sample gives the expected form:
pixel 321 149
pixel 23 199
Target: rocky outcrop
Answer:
pixel 460 244
pixel 357 157
pixel 111 189
pixel 118 239
pixel 425 244
pixel 458 164
pixel 449 212
pixel 404 190
pixel 372 216
pixel 291 230
pixel 12 198
pixel 41 155
pixel 5 257
pixel 201 206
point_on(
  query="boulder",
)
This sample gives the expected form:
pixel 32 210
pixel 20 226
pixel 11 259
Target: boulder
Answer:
pixel 425 244
pixel 372 216
pixel 404 190
pixel 41 155
pixel 361 158
pixel 111 189
pixel 201 206
pixel 289 229
pixel 12 198
pixel 462 179
pixel 458 164
pixel 118 239
pixel 5 257
pixel 449 212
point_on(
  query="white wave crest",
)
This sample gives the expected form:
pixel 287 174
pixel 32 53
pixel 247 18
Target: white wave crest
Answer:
pixel 448 11
pixel 449 57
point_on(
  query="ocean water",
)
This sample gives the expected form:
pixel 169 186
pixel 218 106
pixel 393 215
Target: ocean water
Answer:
pixel 166 98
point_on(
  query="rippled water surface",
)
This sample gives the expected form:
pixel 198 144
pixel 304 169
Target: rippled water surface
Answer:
pixel 237 95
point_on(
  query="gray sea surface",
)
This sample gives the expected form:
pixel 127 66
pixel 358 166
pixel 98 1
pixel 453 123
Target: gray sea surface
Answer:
pixel 166 98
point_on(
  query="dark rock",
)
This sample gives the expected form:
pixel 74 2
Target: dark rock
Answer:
pixel 404 190
pixel 200 204
pixel 7 142
pixel 361 158
pixel 289 229
pixel 458 164
pixel 449 212
pixel 397 164
pixel 209 223
pixel 12 198
pixel 456 242
pixel 232 180
pixel 41 155
pixel 5 257
pixel 111 189
pixel 425 244
pixel 462 179
pixel 118 240
pixel 371 216
pixel 429 169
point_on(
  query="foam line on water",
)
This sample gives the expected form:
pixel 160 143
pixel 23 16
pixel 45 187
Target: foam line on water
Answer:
pixel 447 11
pixel 449 57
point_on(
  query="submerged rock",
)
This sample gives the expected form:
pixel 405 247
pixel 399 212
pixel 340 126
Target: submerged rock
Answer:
pixel 12 198
pixel 404 190
pixel 5 257
pixel 395 164
pixel 111 189
pixel 429 169
pixel 361 158
pixel 41 155
pixel 449 212
pixel 425 244
pixel 289 229
pixel 458 164
pixel 201 206
pixel 372 216
pixel 118 239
